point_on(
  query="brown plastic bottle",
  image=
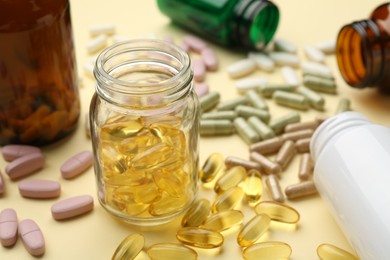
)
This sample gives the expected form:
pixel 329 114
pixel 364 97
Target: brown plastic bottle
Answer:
pixel 39 99
pixel 363 51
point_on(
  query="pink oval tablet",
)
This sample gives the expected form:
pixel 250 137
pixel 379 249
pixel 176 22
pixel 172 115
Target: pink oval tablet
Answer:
pixel 1 184
pixel 210 59
pixel 39 189
pixel 32 237
pixel 13 151
pixel 195 43
pixel 201 89
pixel 199 70
pixel 77 164
pixel 8 227
pixel 72 207
pixel 184 47
pixel 25 165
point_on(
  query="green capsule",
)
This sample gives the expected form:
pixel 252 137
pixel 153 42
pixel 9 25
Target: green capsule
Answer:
pixel 247 111
pixel 216 127
pixel 331 252
pixel 343 105
pixel 196 214
pixel 279 124
pixel 256 100
pixel 230 199
pixel 220 115
pixel 264 131
pixel 267 147
pixel 233 103
pixel 171 251
pixel 320 84
pixel 223 220
pixel 316 101
pixel 130 247
pixel 278 211
pixel 199 237
pixel 268 90
pixel 270 250
pixel 290 99
pixel 231 178
pixel 209 101
pixel 253 230
pixel 212 166
pixel 245 131
pixel 253 186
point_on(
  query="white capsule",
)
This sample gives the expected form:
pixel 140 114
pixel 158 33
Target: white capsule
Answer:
pixel 290 76
pixel 313 53
pixel 241 68
pixel 285 46
pixel 108 29
pixel 316 69
pixel 262 60
pixel 249 83
pixel 88 69
pixel 327 47
pixel 97 43
pixel 285 59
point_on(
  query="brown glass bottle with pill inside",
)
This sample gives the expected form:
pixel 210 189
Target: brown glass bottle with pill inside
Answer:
pixel 362 51
pixel 39 99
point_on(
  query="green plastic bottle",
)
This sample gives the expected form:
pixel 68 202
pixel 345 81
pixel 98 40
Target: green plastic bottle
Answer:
pixel 240 23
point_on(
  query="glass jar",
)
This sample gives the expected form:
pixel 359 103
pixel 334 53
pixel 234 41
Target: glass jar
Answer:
pixel 39 99
pixel 240 23
pixel 145 130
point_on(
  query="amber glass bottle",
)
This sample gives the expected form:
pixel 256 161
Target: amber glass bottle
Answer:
pixel 39 100
pixel 363 51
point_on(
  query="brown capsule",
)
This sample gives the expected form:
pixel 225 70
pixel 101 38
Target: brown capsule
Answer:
pixel 321 118
pixel 303 145
pixel 305 167
pixel 300 190
pixel 301 126
pixel 274 189
pixel 294 136
pixel 267 166
pixel 267 147
pixel 285 154
pixel 232 161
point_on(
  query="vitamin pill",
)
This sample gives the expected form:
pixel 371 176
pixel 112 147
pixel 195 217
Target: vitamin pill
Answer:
pixel 39 189
pixel 314 54
pixel 211 167
pixel 316 101
pixel 216 127
pixel 199 69
pixel 268 90
pixel 223 220
pixel 32 237
pixel 290 99
pixel 343 105
pixel 285 59
pixel 262 61
pixel 171 251
pixel 209 101
pixel 317 69
pixel 290 76
pixel 76 165
pixel 328 251
pixel 300 190
pixel 320 84
pixel 321 118
pixel 184 46
pixel 108 29
pixel 267 166
pixel 264 131
pixel 232 161
pixel 278 211
pixel 230 178
pixel 256 100
pixel 280 123
pixel 286 154
pixel 97 43
pixel 130 247
pixel 284 46
pixel 196 214
pixel 199 237
pixel 327 46
pixel 167 204
pixel 25 165
pixel 266 147
pixel 222 115
pixel 210 59
pixel 228 200
pixel 13 151
pixel 253 186
pixel 233 103
pixel 245 131
pixel 253 230
pixel 247 111
pixel 194 43
pixel 250 83
pixel 293 127
pixel 274 189
pixel 303 145
pixel 1 184
pixel 241 68
pixel 8 227
pixel 201 89
pixel 294 136
pixel 72 207
pixel 267 250
pixel 306 166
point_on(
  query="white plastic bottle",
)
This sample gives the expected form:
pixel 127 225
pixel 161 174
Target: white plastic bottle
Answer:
pixel 352 174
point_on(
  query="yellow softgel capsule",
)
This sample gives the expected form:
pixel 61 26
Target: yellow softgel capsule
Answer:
pixel 228 200
pixel 130 247
pixel 231 178
pixel 331 252
pixel 212 166
pixel 253 186
pixel 199 237
pixel 223 220
pixel 171 251
pixel 196 214
pixel 253 230
pixel 267 250
pixel 278 211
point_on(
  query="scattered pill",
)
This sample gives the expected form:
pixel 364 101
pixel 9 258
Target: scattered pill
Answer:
pixel 327 46
pixel 306 166
pixel 320 84
pixel 256 100
pixel 39 189
pixel 293 127
pixel 284 46
pixel 25 165
pixel 199 70
pixel 216 127
pixel 262 61
pixel 32 237
pixel 197 214
pixel 223 220
pixel 253 186
pixel 317 69
pixel 250 83
pixel 314 54
pixel 294 136
pixel 245 131
pixel 72 207
pixel 209 101
pixel 76 165
pixel 291 100
pixel 13 151
pixel 267 166
pixel 248 111
pixel 267 250
pixel 268 90
pixel 222 115
pixel 233 103
pixel 267 147
pixel 201 89
pixel 285 154
pixel 303 145
pixel 211 167
pixel 328 251
pixel 184 46
pixel 278 211
pixel 262 129
pixel 285 59
pixel 8 227
pixel 171 251
pixel 108 29
pixel 231 178
pixel 228 200
pixel 194 43
pixel 199 237
pixel 210 59
pixel 1 184
pixel 231 161
pixel 316 101
pixel 300 190
pixel 290 76
pixel 253 230
pixel 280 123
pixel 343 105
pixel 274 188
pixel 97 43
pixel 241 68
pixel 130 247
pixel 321 118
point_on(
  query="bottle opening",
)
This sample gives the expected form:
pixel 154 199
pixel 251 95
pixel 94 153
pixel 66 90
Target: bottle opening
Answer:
pixel 264 26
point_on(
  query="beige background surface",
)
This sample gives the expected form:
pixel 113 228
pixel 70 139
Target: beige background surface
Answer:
pixel 96 235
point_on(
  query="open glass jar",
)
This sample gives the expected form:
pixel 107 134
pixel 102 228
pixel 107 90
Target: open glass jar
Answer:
pixel 144 125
